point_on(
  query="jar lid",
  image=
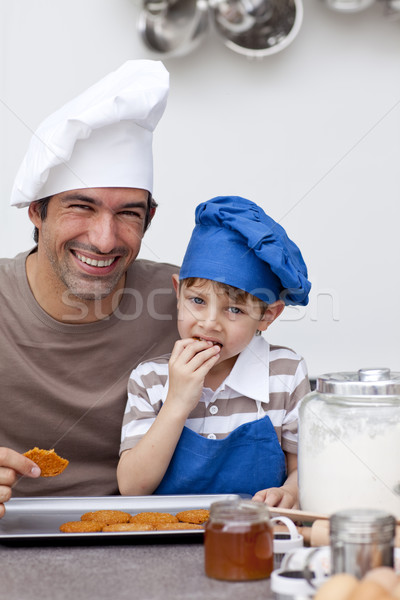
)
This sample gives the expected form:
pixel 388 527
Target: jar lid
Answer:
pixel 283 543
pixel 362 525
pixel 239 511
pixel 365 382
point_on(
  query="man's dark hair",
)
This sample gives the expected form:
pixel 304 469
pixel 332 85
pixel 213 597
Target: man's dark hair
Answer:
pixel 43 204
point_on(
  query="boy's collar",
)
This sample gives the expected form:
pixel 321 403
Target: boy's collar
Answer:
pixel 250 374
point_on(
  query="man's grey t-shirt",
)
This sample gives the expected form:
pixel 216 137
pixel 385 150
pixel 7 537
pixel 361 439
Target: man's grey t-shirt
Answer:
pixel 64 386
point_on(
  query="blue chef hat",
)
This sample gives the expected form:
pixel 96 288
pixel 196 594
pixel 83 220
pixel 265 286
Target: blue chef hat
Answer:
pixel 236 243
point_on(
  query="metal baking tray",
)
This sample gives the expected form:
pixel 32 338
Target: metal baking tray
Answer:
pixel 39 519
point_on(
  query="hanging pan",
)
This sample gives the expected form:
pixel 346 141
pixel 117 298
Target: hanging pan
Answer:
pixel 256 28
pixel 173 27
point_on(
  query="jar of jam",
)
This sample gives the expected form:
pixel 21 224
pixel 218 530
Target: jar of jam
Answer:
pixel 238 541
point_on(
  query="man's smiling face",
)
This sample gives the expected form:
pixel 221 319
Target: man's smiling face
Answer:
pixel 90 237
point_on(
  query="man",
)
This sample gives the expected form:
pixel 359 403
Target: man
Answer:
pixel 78 312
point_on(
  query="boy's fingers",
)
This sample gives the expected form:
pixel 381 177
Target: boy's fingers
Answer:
pixel 188 349
pixel 273 497
pixel 195 345
pixel 260 496
pixel 207 364
pixel 287 501
pixel 181 345
pixel 198 359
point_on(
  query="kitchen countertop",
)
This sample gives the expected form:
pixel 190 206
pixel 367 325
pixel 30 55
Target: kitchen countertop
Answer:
pixel 139 571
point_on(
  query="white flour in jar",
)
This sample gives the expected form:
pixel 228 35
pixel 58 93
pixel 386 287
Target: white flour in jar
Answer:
pixel 348 461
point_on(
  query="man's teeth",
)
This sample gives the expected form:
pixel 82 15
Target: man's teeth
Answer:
pixel 93 262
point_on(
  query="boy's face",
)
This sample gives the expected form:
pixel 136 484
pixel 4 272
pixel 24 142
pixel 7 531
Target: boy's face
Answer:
pixel 207 312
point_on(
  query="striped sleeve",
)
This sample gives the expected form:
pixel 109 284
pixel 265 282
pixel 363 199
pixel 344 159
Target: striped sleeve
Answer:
pixel 289 383
pixel 146 393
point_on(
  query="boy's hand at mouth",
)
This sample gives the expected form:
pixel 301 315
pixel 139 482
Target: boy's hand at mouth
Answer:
pixel 191 360
pixel 199 339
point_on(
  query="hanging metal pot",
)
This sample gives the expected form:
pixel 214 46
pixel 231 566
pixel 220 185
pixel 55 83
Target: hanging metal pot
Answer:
pixel 348 6
pixel 256 28
pixel 173 27
pixel 392 9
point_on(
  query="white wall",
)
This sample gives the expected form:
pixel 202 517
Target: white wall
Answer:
pixel 310 133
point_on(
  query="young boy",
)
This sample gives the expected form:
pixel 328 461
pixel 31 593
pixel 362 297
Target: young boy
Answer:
pixel 219 415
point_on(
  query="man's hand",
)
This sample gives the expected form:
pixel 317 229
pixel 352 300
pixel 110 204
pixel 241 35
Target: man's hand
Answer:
pixel 13 464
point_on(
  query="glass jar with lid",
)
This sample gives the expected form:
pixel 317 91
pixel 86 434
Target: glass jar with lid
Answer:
pixel 349 442
pixel 361 539
pixel 238 541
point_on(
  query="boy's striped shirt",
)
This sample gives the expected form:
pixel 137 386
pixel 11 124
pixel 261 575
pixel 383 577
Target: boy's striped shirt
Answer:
pixel 266 380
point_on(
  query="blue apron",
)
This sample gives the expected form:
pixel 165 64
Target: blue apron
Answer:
pixel 249 459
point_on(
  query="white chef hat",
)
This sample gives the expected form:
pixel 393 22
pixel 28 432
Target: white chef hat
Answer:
pixel 101 138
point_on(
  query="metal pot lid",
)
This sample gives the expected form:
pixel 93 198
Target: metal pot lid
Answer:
pixel 364 382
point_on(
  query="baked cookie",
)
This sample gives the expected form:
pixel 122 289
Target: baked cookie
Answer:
pixel 199 515
pixel 154 518
pixel 49 462
pixel 175 526
pixel 107 517
pixel 128 527
pixel 81 526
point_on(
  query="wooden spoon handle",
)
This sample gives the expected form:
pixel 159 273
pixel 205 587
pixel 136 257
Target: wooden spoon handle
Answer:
pixel 296 515
pixel 301 515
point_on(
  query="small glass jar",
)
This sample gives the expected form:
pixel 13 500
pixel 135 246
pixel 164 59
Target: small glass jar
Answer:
pixel 349 442
pixel 361 540
pixel 238 541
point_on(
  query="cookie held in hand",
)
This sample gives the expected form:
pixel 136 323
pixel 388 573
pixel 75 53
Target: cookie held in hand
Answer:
pixel 49 462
